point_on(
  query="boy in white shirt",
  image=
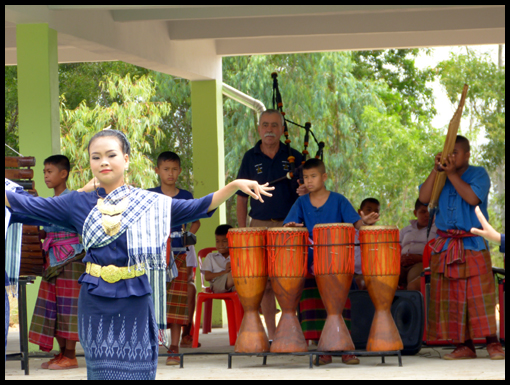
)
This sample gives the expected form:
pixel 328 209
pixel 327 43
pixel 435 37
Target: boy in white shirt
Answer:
pixel 413 239
pixel 216 266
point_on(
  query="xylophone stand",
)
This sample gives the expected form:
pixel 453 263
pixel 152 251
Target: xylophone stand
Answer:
pixel 365 354
pixel 23 325
pixel 313 353
pixel 265 355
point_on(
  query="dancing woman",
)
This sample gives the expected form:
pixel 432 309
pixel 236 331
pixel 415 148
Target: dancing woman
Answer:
pixel 124 231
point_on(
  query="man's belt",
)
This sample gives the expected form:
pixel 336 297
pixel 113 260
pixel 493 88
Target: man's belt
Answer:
pixel 112 273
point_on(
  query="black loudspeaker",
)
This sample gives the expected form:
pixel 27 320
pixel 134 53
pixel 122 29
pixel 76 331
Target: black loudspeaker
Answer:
pixel 408 313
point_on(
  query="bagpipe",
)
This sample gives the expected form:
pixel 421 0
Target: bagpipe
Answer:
pixel 296 172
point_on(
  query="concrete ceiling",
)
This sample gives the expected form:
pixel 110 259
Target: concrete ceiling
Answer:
pixel 189 40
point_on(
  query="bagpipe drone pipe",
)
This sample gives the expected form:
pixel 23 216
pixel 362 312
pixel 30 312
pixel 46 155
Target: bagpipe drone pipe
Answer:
pixel 296 172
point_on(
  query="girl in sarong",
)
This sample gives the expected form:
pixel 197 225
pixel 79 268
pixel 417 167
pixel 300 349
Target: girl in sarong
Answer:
pixel 124 231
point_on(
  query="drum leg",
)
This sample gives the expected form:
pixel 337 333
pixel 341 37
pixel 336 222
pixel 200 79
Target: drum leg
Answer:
pixel 334 289
pixel 289 336
pixel 384 335
pixel 252 336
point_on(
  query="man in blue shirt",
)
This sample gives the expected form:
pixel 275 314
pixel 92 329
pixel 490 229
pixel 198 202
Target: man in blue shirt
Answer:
pixel 462 290
pixel 265 162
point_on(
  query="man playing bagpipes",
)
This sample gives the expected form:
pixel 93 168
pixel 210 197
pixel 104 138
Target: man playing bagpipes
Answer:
pixel 463 296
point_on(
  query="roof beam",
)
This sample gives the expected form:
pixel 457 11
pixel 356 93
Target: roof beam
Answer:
pixel 145 44
pixel 183 12
pixel 428 20
pixel 360 42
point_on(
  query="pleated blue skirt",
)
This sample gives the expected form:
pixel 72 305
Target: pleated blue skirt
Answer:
pixel 119 336
pixel 7 316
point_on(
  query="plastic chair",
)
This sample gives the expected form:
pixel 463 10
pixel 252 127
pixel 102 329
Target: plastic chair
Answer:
pixel 234 308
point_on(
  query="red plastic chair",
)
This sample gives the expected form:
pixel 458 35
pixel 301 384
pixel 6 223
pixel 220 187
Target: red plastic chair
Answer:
pixel 234 308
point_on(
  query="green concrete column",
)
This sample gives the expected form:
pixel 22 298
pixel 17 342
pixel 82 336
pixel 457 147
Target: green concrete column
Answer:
pixel 38 101
pixel 208 163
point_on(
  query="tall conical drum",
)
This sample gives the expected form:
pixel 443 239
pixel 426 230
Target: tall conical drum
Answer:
pixel 334 271
pixel 249 270
pixel 287 256
pixel 380 264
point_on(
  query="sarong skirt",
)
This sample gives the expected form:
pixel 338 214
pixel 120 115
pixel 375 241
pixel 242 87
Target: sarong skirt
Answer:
pixel 312 313
pixel 56 308
pixel 119 337
pixel 7 319
pixel 177 295
pixel 462 304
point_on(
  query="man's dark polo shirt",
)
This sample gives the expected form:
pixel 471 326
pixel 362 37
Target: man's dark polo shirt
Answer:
pixel 258 166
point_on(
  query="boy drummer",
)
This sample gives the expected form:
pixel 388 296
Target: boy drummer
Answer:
pixel 462 285
pixel 323 206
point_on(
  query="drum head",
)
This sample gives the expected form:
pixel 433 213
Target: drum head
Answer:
pixel 378 228
pixel 247 229
pixel 287 229
pixel 333 225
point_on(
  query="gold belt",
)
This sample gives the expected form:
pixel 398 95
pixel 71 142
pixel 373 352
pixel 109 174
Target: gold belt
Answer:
pixel 112 274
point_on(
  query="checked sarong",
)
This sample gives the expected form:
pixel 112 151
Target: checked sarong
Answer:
pixel 462 297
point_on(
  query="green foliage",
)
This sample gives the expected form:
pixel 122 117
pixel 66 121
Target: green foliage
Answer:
pixel 176 126
pixel 407 94
pixel 369 150
pixel 11 110
pixel 132 112
pixel 485 103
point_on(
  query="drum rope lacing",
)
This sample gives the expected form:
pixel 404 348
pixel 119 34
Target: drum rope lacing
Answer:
pixel 281 263
pixel 383 260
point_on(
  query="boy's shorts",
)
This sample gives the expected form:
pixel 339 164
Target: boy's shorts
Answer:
pixel 219 285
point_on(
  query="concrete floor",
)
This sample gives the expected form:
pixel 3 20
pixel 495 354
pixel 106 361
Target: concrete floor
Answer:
pixel 427 365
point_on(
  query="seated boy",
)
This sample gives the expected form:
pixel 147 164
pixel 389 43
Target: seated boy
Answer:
pixel 216 266
pixel 321 206
pixel 413 239
pixel 369 205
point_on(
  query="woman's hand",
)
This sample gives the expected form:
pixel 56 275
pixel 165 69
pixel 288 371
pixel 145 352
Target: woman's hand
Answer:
pixel 488 231
pixel 249 187
pixel 253 189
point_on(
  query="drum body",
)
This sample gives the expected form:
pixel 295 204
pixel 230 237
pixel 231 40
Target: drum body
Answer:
pixel 287 254
pixel 249 270
pixel 334 271
pixel 380 263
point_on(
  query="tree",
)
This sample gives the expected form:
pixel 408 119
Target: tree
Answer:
pixel 408 94
pixel 485 103
pixel 11 110
pixel 370 149
pixel 133 113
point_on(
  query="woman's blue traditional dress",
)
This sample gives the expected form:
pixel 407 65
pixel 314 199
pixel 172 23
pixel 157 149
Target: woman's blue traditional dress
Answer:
pixel 116 321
